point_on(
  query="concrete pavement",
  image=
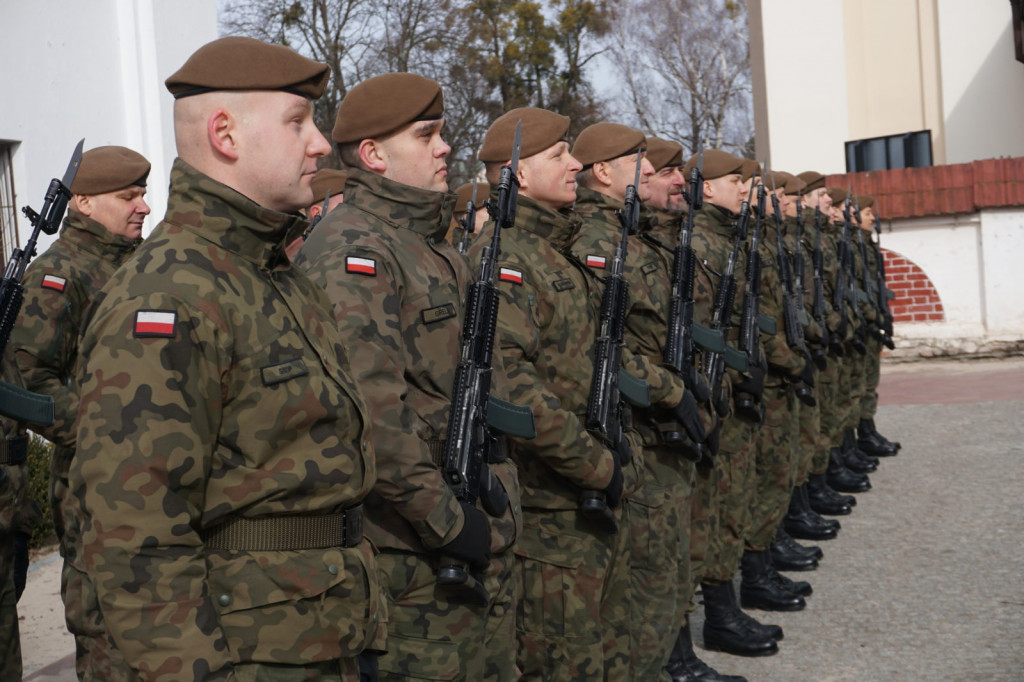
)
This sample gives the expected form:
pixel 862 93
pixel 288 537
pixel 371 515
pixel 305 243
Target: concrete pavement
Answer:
pixel 924 582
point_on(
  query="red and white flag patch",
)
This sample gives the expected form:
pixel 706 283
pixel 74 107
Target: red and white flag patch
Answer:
pixel 362 266
pixel 597 261
pixel 54 282
pixel 155 323
pixel 510 275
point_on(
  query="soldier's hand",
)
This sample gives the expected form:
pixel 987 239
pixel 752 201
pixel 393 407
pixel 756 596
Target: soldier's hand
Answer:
pixel 473 543
pixel 623 450
pixel 752 382
pixel 687 413
pixel 613 492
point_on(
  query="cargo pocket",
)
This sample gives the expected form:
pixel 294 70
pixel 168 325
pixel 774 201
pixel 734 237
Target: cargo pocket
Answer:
pixel 419 659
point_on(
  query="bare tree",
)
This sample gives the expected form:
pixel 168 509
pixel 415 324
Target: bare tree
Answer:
pixel 687 75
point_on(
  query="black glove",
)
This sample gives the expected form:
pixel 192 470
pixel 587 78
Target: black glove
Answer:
pixel 623 450
pixel 613 492
pixel 712 439
pixel 806 374
pixel 687 413
pixel 368 671
pixel 819 356
pixel 473 543
pixel 695 382
pixel 752 382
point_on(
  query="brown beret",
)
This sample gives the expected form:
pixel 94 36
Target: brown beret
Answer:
pixel 837 194
pixel 865 201
pixel 717 163
pixel 776 179
pixel 663 153
pixel 750 168
pixel 384 104
pixel 239 63
pixel 541 129
pixel 109 169
pixel 794 185
pixel 328 179
pixel 814 180
pixel 607 141
pixel 465 192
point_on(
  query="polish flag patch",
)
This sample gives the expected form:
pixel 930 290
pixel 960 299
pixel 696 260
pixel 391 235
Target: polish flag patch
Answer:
pixel 510 275
pixel 597 261
pixel 54 282
pixel 362 266
pixel 150 323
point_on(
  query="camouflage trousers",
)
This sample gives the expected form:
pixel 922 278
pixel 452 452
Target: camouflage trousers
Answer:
pixel 811 448
pixel 659 515
pixel 829 402
pixel 775 455
pixel 433 636
pixel 10 641
pixel 873 374
pixel 705 521
pixel 736 491
pixel 574 599
pixel 96 655
pixel 341 670
pixel 853 388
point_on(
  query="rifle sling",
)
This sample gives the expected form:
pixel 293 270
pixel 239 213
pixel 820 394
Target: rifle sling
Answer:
pixel 14 450
pixel 25 406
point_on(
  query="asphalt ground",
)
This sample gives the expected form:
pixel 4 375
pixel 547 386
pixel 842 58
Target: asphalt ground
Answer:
pixel 924 582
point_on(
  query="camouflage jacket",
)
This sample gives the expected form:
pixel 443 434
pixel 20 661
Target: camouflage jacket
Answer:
pixel 782 360
pixel 714 231
pixel 215 389
pixel 830 263
pixel 59 286
pixel 546 333
pixel 833 235
pixel 17 511
pixel 804 281
pixel 649 295
pixel 397 287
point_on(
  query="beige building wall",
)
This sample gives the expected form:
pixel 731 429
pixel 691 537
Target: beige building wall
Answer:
pixel 832 71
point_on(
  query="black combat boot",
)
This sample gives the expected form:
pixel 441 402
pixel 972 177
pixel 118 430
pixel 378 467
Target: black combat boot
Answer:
pixel 803 522
pixel 787 555
pixel 728 629
pixel 872 442
pixel 761 589
pixel 684 666
pixel 824 500
pixel 842 479
pixel 854 459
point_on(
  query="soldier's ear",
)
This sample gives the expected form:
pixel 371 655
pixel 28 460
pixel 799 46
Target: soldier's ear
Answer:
pixel 372 155
pixel 220 131
pixel 709 189
pixel 523 175
pixel 82 203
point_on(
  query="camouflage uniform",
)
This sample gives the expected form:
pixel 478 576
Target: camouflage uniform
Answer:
pixel 832 377
pixel 659 510
pixel 59 287
pixel 223 449
pixel 713 233
pixel 777 437
pixel 567 568
pixel 873 361
pixel 397 288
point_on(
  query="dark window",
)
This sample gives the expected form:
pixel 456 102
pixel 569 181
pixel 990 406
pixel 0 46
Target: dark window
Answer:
pixel 1018 28
pixel 909 150
pixel 8 211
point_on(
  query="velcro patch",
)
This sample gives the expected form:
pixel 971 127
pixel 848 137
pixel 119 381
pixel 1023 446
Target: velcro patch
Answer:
pixel 438 313
pixel 563 284
pixel 597 261
pixel 283 371
pixel 158 323
pixel 54 282
pixel 362 266
pixel 648 268
pixel 510 275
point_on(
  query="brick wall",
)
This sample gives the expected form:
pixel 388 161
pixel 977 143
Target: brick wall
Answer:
pixel 916 298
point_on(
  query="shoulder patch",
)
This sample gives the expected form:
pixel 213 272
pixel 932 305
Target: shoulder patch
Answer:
pixel 510 275
pixel 648 268
pixel 596 261
pixel 54 282
pixel 154 323
pixel 564 284
pixel 361 266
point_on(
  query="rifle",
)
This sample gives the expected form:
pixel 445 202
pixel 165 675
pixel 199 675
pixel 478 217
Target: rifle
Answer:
pixel 317 218
pixel 468 221
pixel 721 316
pixel 791 322
pixel 818 304
pixel 868 286
pixel 883 291
pixel 750 320
pixel 678 353
pixel 859 332
pixel 604 405
pixel 470 444
pixel 15 402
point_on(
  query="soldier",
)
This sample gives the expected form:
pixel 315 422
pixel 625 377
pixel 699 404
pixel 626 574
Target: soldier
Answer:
pixel 573 584
pixel 726 626
pixel 659 232
pixel 397 288
pixel 869 440
pixel 223 446
pixel 464 194
pixel 102 229
pixel 328 184
pixel 608 152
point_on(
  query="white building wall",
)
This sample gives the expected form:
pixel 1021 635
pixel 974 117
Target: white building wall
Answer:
pixel 1002 252
pixel 95 70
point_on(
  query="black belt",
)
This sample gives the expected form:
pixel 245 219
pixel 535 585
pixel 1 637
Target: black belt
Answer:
pixel 14 450
pixel 288 533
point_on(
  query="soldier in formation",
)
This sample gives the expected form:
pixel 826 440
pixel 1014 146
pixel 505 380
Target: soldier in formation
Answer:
pixel 241 397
